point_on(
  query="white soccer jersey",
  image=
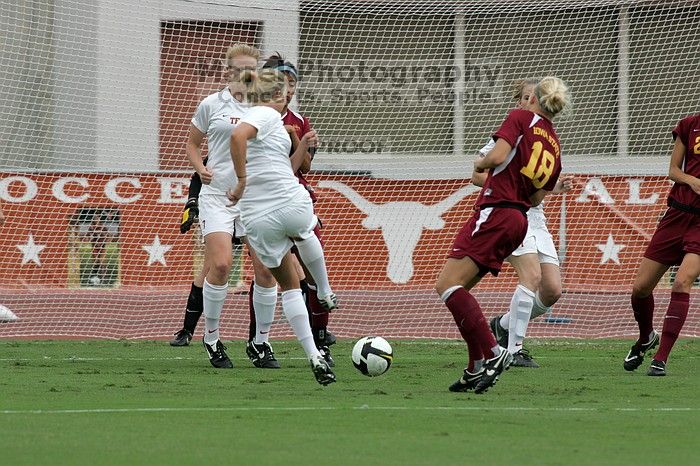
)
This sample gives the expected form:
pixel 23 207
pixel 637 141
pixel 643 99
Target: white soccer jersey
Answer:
pixel 270 180
pixel 216 116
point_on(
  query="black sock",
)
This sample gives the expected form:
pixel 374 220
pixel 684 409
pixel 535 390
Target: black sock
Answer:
pixel 195 307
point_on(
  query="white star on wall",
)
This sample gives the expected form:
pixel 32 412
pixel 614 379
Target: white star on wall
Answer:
pixel 30 251
pixel 610 250
pixel 156 251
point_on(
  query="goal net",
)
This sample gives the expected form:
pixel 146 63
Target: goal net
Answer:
pixel 96 99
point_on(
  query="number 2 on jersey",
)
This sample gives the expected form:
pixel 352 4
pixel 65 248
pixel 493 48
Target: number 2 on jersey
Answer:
pixel 544 170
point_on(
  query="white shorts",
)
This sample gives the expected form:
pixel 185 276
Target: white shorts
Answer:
pixel 215 215
pixel 538 241
pixel 270 235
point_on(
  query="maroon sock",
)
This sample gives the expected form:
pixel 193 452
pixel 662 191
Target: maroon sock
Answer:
pixel 643 309
pixel 466 313
pixel 673 323
pixel 319 316
pixel 251 310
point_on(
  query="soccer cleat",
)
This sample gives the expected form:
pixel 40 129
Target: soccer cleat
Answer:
pixel 217 355
pixel 492 369
pixel 183 337
pixel 328 302
pixel 499 332
pixel 635 357
pixel 523 359
pixel 261 355
pixel 323 337
pixel 326 353
pixel 467 382
pixel 322 371
pixel 657 369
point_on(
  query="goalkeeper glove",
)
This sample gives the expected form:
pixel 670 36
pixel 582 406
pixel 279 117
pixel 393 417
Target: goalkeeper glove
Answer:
pixel 189 215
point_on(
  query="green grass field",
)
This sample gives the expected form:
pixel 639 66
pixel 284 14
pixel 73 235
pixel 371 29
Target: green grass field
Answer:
pixel 123 402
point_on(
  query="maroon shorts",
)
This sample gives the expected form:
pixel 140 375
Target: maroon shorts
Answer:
pixel 677 234
pixel 490 236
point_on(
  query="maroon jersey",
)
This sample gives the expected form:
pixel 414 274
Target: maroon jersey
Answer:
pixel 302 126
pixel 534 163
pixel 688 130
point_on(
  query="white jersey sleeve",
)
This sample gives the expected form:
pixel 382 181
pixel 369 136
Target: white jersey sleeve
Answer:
pixel 202 116
pixel 487 148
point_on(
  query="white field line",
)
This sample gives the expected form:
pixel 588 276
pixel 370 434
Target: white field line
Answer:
pixel 329 408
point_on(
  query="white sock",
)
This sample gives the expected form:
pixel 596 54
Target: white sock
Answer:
pixel 311 254
pixel 520 310
pixel 297 316
pixel 538 308
pixel 505 321
pixel 214 297
pixel 264 302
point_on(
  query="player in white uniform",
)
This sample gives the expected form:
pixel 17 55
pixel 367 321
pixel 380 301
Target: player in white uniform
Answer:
pixel 276 210
pixel 215 118
pixel 536 262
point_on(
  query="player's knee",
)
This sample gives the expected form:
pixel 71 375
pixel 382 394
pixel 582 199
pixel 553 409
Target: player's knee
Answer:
pixel 220 268
pixel 641 290
pixel 683 283
pixel 549 297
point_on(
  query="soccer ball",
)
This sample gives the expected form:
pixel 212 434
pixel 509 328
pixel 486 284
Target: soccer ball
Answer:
pixel 6 315
pixel 372 356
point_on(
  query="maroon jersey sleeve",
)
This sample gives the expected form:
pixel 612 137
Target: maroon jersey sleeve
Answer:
pixel 513 126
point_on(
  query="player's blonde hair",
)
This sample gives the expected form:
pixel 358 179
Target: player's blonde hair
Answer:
pixel 263 86
pixel 553 95
pixel 519 85
pixel 242 49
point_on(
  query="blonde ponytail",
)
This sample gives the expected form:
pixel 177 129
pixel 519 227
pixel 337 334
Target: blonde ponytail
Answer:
pixel 553 95
pixel 263 86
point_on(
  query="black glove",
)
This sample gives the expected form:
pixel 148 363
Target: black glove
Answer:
pixel 190 215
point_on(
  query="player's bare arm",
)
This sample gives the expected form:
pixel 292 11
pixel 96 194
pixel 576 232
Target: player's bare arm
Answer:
pixel 494 158
pixel 675 171
pixel 194 154
pixel 301 154
pixel 564 184
pixel 479 178
pixel 538 196
pixel 239 149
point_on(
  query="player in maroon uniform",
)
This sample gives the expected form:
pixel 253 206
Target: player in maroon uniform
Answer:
pixel 675 242
pixel 525 165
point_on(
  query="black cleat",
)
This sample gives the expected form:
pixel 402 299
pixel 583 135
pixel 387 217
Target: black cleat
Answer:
pixel 183 337
pixel 635 357
pixel 323 337
pixel 322 371
pixel 326 353
pixel 499 332
pixel 261 355
pixel 657 369
pixel 492 369
pixel 523 359
pixel 217 355
pixel 467 382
